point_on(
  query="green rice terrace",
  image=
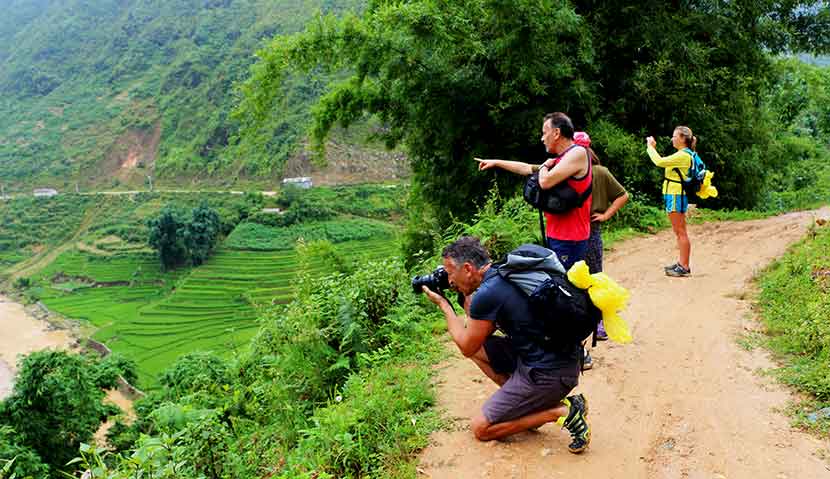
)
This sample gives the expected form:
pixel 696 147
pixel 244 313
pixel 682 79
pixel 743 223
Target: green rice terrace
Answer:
pixel 106 276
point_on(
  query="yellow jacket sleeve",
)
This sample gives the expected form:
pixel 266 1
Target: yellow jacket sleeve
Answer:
pixel 680 160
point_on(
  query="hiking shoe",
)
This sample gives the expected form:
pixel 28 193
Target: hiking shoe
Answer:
pixel 671 266
pixel 583 402
pixel 678 271
pixel 577 424
pixel 587 361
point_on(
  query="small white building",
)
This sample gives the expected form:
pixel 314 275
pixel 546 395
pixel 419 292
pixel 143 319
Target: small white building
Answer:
pixel 44 192
pixel 299 182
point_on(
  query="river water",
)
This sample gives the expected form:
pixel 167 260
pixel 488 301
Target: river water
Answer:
pixel 20 333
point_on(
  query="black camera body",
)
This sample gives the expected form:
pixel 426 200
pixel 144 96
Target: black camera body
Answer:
pixel 436 281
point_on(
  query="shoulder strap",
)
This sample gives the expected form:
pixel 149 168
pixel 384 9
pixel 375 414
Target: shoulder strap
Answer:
pixel 679 175
pixel 590 165
pixel 693 160
pixel 585 194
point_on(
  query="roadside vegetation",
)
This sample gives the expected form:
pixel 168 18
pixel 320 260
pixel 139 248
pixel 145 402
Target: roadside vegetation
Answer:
pixel 795 307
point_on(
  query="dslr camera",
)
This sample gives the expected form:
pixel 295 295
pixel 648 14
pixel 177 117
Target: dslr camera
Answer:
pixel 437 281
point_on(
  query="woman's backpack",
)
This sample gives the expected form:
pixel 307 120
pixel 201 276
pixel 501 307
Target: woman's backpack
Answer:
pixel 693 179
pixel 567 314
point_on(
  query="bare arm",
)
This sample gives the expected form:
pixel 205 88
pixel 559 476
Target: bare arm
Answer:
pixel 518 167
pixel 470 337
pixel 574 163
pixel 613 208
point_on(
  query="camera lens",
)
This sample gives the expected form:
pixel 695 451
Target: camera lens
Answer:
pixel 436 281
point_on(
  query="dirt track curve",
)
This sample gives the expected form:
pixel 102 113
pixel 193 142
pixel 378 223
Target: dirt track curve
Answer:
pixel 682 401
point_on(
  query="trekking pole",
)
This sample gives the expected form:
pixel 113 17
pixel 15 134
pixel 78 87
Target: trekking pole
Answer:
pixel 542 229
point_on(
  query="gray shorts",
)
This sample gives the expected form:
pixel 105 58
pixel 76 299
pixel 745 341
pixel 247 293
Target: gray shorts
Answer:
pixel 528 389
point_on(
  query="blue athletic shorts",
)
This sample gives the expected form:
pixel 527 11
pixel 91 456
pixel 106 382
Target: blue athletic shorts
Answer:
pixel 676 203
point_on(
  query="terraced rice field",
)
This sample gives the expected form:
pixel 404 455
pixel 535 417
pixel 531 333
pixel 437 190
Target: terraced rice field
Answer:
pixel 28 225
pixel 159 316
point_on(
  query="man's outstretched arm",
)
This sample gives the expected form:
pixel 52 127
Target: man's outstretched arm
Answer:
pixel 518 167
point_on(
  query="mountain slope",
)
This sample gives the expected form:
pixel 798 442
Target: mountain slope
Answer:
pixel 108 91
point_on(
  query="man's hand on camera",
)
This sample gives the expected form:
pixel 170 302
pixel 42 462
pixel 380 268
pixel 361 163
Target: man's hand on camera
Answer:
pixel 434 297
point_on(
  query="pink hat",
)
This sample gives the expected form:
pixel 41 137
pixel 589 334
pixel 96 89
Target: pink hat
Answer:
pixel 582 139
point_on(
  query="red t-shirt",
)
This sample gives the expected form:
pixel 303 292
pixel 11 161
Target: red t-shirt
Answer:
pixel 574 225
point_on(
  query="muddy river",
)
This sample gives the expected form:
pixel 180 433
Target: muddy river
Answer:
pixel 20 333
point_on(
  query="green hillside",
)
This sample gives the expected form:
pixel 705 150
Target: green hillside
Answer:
pixel 105 92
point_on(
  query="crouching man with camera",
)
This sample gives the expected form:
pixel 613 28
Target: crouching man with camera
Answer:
pixel 534 381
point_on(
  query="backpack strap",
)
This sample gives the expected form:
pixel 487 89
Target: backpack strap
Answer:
pixel 679 173
pixel 585 194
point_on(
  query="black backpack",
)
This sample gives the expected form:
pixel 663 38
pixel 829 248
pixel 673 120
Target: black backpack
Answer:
pixel 561 198
pixel 567 314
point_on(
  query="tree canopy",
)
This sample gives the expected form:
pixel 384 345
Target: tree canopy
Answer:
pixel 178 237
pixel 452 80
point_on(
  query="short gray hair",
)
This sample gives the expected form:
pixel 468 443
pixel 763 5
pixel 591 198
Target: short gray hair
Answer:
pixel 467 249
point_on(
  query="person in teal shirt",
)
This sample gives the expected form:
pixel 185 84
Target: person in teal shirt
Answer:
pixel 675 200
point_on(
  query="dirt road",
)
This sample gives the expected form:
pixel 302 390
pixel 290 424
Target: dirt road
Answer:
pixel 682 401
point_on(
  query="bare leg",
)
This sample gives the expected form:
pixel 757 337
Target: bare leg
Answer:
pixel 678 225
pixel 483 363
pixel 484 431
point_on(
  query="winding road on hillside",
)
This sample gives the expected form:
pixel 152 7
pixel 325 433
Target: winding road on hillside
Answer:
pixel 684 400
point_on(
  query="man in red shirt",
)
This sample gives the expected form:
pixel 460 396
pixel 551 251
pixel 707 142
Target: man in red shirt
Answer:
pixel 567 233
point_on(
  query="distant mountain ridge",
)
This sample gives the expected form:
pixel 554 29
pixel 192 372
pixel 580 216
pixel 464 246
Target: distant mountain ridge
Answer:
pixel 107 92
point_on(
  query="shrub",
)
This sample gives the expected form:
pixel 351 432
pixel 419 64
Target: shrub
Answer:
pixel 194 372
pixel 55 405
pixel 795 305
pixel 16 460
pixel 112 366
pixel 625 156
pixel 381 414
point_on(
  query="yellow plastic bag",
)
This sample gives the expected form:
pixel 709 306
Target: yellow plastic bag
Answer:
pixel 607 295
pixel 579 275
pixel 706 189
pixel 616 328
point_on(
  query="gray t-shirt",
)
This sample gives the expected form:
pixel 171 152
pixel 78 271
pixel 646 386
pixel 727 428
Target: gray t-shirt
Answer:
pixel 499 301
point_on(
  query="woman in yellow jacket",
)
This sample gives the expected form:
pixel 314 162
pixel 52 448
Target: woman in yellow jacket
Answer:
pixel 674 198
